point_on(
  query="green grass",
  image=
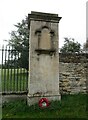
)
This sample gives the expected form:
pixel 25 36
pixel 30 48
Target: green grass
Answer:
pixel 11 82
pixel 70 106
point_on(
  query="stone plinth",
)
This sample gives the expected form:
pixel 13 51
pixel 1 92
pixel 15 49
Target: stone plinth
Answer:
pixel 43 57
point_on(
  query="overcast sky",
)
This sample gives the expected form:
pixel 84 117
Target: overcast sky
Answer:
pixel 72 24
pixel 86 19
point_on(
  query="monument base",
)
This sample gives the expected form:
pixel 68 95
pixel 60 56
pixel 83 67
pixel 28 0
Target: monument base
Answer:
pixel 31 100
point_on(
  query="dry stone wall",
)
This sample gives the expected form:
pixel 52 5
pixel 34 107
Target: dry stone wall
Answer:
pixel 73 73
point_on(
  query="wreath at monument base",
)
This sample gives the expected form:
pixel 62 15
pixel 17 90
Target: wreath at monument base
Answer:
pixel 44 103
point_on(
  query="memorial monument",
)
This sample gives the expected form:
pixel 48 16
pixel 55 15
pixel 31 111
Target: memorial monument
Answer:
pixel 43 57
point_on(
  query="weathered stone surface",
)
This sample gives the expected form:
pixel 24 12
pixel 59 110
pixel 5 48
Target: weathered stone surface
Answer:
pixel 44 57
pixel 72 77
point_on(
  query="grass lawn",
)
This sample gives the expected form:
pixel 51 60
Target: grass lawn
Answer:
pixel 70 106
pixel 14 79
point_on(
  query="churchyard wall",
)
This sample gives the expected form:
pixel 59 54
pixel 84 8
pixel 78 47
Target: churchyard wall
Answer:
pixel 73 72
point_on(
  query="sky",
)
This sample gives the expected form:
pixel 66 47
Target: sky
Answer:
pixel 86 19
pixel 72 24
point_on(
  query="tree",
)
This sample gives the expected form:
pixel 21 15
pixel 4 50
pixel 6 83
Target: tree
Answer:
pixel 70 46
pixel 19 40
pixel 85 46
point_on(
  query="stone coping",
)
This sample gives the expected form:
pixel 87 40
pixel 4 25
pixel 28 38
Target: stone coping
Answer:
pixel 40 16
pixel 7 98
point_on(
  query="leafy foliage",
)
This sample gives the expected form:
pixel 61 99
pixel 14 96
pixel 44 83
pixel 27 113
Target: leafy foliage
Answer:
pixel 70 46
pixel 20 42
pixel 85 46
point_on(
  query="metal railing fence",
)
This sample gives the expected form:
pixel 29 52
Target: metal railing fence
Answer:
pixel 14 77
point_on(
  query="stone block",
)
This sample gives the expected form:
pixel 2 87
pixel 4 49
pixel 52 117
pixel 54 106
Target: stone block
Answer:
pixel 43 57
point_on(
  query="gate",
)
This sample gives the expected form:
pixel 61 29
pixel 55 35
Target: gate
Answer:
pixel 14 77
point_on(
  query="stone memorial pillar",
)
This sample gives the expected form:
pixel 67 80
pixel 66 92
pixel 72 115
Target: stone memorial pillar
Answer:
pixel 43 57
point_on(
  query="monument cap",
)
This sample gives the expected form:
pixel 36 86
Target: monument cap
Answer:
pixel 40 16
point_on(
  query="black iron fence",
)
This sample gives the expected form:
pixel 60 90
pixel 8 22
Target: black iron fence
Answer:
pixel 14 77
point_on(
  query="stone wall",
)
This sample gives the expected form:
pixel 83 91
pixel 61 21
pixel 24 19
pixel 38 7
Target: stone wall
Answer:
pixel 73 73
